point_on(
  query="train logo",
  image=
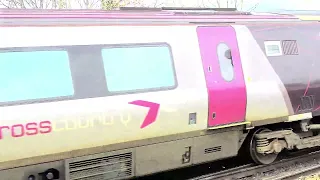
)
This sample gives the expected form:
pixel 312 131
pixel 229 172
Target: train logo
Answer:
pixel 152 113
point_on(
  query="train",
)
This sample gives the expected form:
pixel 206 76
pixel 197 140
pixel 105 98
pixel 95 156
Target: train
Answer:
pixel 136 91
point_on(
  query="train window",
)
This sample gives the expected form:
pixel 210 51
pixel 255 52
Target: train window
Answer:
pixel 273 48
pixel 34 75
pixel 225 62
pixel 138 68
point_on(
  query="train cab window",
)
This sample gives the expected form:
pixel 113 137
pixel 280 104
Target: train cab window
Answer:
pixel 34 75
pixel 225 62
pixel 138 68
pixel 273 48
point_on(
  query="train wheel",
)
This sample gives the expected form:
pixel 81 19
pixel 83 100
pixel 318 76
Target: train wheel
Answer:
pixel 258 157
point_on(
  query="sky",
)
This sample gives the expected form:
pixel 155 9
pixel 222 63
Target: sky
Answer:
pixel 289 4
pixel 247 4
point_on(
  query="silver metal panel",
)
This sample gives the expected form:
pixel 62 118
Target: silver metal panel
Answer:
pixel 23 173
pixel 163 156
pixel 110 165
pixel 215 146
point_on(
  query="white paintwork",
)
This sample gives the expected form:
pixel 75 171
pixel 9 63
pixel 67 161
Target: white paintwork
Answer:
pixel 266 94
pixel 189 97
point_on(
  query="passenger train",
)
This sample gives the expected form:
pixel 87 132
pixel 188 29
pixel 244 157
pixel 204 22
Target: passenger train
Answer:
pixel 90 94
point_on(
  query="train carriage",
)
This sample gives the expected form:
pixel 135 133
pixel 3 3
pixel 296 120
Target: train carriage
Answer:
pixel 127 93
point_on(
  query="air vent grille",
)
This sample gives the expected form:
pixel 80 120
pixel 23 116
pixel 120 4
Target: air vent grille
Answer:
pixel 212 150
pixel 290 47
pixel 103 168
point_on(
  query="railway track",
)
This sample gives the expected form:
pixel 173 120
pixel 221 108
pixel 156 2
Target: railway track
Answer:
pixel 291 168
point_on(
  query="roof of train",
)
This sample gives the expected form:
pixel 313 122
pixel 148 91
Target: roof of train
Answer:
pixel 133 15
pixel 309 17
pixel 141 13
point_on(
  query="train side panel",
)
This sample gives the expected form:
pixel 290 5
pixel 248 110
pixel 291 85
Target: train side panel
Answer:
pixel 138 132
pixel 279 65
pixel 87 123
pixel 224 76
pixel 144 127
pixel 267 97
pixel 296 62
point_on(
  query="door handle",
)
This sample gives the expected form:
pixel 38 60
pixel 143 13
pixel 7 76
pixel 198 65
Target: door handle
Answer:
pixel 213 115
pixel 228 55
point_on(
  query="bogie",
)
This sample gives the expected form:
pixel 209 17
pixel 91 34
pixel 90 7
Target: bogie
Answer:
pixel 264 144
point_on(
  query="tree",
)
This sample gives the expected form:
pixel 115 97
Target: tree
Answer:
pixel 158 3
pixel 89 4
pixel 110 4
pixel 222 3
pixel 68 4
pixel 34 4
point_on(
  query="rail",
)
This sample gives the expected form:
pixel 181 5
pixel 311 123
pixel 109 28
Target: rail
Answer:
pixel 291 168
pixel 304 170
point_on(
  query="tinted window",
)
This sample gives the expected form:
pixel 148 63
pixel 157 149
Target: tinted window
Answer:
pixel 34 75
pixel 225 62
pixel 138 68
pixel 273 48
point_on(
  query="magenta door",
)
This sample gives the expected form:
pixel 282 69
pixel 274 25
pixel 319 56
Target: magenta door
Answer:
pixel 223 72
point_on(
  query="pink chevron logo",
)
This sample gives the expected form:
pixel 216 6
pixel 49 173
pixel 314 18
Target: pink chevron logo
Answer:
pixel 152 113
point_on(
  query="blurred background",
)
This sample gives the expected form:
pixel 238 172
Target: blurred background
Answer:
pixel 244 5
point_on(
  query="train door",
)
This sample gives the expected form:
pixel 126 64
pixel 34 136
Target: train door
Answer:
pixel 223 73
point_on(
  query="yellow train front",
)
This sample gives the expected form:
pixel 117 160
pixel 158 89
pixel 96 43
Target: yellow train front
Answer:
pixel 120 94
